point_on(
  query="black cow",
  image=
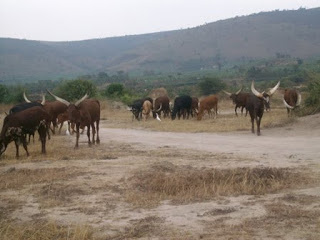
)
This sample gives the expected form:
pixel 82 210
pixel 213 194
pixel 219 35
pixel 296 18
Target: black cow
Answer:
pixel 28 104
pixel 255 105
pixel 136 107
pixel 182 105
pixel 17 125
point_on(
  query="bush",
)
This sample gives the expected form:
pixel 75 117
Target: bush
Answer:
pixel 313 100
pixel 114 90
pixel 211 86
pixel 75 89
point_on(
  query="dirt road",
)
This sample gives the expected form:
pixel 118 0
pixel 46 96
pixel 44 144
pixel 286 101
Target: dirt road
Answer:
pixel 277 146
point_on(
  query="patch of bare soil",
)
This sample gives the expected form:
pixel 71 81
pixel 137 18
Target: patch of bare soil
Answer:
pixel 142 184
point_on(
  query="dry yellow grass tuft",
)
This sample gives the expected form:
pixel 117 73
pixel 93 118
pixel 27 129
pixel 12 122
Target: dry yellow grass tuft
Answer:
pixel 44 231
pixel 187 184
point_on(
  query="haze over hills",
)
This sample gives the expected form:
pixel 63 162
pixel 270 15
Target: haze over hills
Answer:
pixel 263 35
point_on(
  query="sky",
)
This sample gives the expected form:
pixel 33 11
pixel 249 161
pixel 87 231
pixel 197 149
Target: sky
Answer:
pixel 70 20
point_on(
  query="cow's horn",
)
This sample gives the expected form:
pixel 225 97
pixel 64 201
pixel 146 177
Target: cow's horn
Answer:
pixel 298 100
pixel 254 91
pixel 43 100
pixel 25 98
pixel 287 105
pixel 83 98
pixel 273 90
pixel 239 91
pixel 159 108
pixel 59 99
pixel 226 92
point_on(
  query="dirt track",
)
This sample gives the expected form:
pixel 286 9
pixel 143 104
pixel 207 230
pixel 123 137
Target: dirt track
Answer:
pixel 277 146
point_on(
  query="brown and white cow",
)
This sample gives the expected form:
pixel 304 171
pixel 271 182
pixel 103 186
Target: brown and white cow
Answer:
pixel 206 104
pixel 84 112
pixel 291 99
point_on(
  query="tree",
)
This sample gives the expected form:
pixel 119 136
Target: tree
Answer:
pixel 114 90
pixel 75 89
pixel 211 85
pixel 3 93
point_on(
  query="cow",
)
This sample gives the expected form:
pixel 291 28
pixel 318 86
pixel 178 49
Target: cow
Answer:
pixel 206 104
pixel 182 105
pixel 23 106
pixel 291 99
pixel 17 125
pixel 161 104
pixel 255 105
pixel 136 108
pixel 54 109
pixel 84 112
pixel 239 99
pixel 146 109
pixel 194 106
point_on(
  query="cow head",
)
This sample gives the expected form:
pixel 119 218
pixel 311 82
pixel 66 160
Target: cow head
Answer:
pixel 135 111
pixel 73 108
pixel 233 96
pixel 28 101
pixel 265 95
pixel 155 112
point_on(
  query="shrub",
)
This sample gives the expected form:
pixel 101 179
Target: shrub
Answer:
pixel 75 89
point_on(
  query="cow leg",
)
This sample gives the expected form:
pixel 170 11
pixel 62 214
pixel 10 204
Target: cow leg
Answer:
pixel 88 134
pixel 93 133
pixel 61 124
pixel 77 134
pixel 235 110
pixel 42 133
pixel 258 121
pixel 97 126
pixel 252 117
pixel 25 146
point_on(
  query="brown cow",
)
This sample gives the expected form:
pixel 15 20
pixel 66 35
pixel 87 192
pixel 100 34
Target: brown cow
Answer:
pixel 255 105
pixel 206 104
pixel 17 125
pixel 291 99
pixel 85 112
pixel 239 99
pixel 161 104
pixel 146 109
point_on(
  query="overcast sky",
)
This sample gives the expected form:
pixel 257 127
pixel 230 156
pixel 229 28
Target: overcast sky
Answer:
pixel 68 20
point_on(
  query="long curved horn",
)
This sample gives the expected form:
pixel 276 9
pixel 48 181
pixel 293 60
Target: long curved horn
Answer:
pixel 59 99
pixel 255 92
pixel 287 105
pixel 298 100
pixel 239 91
pixel 43 99
pixel 159 108
pixel 25 98
pixel 83 98
pixel 226 92
pixel 273 90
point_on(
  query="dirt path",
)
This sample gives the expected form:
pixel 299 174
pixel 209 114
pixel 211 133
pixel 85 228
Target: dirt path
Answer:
pixel 298 141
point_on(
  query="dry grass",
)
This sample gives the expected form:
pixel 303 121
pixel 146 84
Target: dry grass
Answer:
pixel 18 178
pixel 44 231
pixel 187 184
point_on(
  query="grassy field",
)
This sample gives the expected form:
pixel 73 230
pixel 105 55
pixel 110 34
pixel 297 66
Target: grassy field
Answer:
pixel 118 191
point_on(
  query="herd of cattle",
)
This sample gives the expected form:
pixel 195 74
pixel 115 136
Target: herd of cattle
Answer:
pixel 27 118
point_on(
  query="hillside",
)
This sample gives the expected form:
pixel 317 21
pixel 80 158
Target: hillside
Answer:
pixel 263 35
